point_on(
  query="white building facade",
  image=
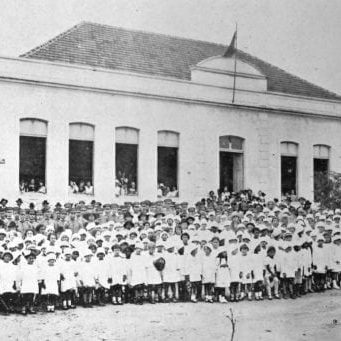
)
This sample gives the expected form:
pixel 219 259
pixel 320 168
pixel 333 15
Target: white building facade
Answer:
pixel 56 102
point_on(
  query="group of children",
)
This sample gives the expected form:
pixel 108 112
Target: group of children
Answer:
pixel 186 255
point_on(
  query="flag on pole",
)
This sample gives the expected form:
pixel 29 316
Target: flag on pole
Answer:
pixel 231 49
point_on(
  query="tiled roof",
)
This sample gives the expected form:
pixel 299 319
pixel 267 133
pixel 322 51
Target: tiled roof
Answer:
pixel 156 54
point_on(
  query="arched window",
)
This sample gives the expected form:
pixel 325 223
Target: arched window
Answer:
pixel 289 156
pixel 32 155
pixel 81 148
pixel 321 151
pixel 167 163
pixel 321 165
pixel 127 141
pixel 231 156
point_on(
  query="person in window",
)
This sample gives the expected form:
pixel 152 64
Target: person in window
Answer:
pixel 73 187
pixel 118 188
pixel 159 191
pixel 173 193
pixel 132 189
pixel 89 190
pixel 32 186
pixel 225 195
pixel 81 188
pixel 41 188
pixel 124 182
pixel 22 186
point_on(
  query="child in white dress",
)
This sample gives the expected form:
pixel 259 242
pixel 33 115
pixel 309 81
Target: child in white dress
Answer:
pixel 28 282
pixel 87 278
pixel 245 267
pixel 193 266
pixel 270 277
pixel 117 274
pixel 171 273
pixel 8 275
pixel 137 273
pixel 102 276
pixel 154 280
pixel 209 265
pixel 68 285
pixel 50 276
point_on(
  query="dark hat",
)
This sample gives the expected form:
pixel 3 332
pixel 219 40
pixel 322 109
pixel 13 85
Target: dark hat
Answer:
pixel 4 200
pixel 128 224
pixel 128 215
pixel 19 201
pixel 159 213
pixel 45 203
pixel 12 225
pixel 185 234
pixel 190 218
pixel 159 264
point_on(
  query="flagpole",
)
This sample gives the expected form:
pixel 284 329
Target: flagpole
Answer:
pixel 235 67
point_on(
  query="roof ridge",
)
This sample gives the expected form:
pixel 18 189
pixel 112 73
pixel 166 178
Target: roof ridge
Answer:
pixel 288 73
pixel 154 33
pixel 278 79
pixel 50 41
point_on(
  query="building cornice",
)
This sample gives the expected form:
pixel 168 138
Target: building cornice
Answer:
pixel 84 78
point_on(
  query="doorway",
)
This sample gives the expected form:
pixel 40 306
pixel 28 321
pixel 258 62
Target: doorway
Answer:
pixel 231 171
pixel 289 175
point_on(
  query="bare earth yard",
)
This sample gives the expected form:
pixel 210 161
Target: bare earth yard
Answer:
pixel 313 317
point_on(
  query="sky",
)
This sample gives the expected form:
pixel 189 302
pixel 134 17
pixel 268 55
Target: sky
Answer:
pixel 300 36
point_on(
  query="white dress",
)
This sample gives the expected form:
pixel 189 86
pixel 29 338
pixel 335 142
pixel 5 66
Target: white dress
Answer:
pixel 67 269
pixel 171 272
pixel 336 258
pixel 223 277
pixel 8 275
pixel 289 264
pixel 137 270
pixel 319 259
pixel 28 276
pixel 245 266
pixel 51 276
pixel 87 274
pixel 153 275
pixel 257 265
pixel 102 272
pixel 193 268
pixel 233 262
pixel 209 268
pixel 117 269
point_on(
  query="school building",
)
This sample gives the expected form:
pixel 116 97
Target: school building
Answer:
pixel 130 112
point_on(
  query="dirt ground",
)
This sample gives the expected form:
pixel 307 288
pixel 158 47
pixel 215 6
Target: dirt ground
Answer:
pixel 313 317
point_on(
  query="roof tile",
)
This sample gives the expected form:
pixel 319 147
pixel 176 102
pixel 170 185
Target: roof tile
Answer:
pixel 156 54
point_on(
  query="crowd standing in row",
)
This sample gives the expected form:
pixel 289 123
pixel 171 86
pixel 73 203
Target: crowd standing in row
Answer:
pixel 226 247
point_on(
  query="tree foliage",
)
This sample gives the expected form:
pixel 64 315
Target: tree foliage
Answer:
pixel 327 189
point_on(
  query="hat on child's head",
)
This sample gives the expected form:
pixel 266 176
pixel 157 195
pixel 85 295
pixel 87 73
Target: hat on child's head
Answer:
pixel 100 250
pixel 244 246
pixel 51 256
pixel 138 245
pixel 8 253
